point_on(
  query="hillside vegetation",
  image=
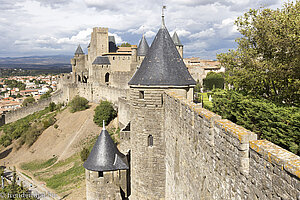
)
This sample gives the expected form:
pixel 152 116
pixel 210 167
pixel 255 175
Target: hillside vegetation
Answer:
pixel 54 159
pixel 29 128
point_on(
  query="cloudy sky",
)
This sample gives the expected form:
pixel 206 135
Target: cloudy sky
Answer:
pixel 53 27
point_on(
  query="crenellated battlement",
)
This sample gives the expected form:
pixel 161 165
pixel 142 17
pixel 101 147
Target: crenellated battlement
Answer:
pixel 100 29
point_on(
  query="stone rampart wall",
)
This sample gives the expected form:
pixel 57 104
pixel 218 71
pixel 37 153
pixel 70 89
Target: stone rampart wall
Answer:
pixel 96 92
pixel 12 116
pixel 212 158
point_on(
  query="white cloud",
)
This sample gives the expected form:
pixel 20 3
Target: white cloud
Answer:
pixel 204 34
pixel 118 38
pixel 150 34
pixel 33 26
pixel 180 32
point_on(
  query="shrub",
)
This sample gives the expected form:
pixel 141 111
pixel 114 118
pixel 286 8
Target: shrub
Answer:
pixel 33 133
pixel 84 154
pixel 21 127
pixel 52 106
pixel 78 103
pixel 55 126
pixel 104 111
pixel 213 80
pixel 49 122
pixel 198 87
pixel 28 100
pixel 276 123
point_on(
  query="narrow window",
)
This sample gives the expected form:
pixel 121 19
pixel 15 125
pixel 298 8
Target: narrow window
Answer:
pixel 100 174
pixel 113 58
pixel 150 141
pixel 106 77
pixel 141 95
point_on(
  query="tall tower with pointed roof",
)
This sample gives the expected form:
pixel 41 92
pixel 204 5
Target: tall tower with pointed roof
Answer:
pixel 178 44
pixel 79 71
pixel 162 69
pixel 106 170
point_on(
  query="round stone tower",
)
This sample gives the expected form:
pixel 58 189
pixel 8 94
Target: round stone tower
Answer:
pixel 106 170
pixel 162 69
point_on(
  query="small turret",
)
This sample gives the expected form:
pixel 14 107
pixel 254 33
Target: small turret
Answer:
pixel 105 155
pixel 177 43
pixel 143 47
pixel 103 168
pixel 79 51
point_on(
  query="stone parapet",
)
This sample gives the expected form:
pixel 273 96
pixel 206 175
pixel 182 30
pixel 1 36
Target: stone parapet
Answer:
pixel 208 157
pixel 276 155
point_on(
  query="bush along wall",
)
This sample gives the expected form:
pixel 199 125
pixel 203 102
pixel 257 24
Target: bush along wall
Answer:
pixel 277 123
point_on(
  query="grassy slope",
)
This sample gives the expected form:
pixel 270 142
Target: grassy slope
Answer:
pixel 63 176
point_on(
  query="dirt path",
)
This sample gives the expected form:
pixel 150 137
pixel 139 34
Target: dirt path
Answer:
pixel 75 136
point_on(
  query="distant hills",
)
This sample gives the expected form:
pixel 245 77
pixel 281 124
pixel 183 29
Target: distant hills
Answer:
pixel 35 65
pixel 37 60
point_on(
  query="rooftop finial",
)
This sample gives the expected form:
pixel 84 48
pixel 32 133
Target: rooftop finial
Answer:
pixel 163 17
pixel 143 27
pixel 103 126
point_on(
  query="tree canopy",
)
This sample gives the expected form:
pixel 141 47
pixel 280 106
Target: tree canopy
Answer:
pixel 213 80
pixel 125 45
pixel 15 84
pixel 266 62
pixel 78 103
pixel 105 111
pixel 28 101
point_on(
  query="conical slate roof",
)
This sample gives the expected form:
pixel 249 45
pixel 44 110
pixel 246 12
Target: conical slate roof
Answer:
pixel 79 50
pixel 176 40
pixel 143 47
pixel 163 65
pixel 105 155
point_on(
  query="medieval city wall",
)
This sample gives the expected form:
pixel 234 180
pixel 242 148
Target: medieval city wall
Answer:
pixel 212 158
pixel 12 116
pixel 96 92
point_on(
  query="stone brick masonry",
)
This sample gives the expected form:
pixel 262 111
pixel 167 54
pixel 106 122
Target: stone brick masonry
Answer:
pixel 212 158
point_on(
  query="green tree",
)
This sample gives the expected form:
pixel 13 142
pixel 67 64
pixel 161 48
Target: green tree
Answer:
pixel 125 45
pixel 19 95
pixel 213 80
pixel 198 87
pixel 28 101
pixel 84 154
pixel 15 84
pixel 266 62
pixel 52 106
pixel 78 103
pixel 105 111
